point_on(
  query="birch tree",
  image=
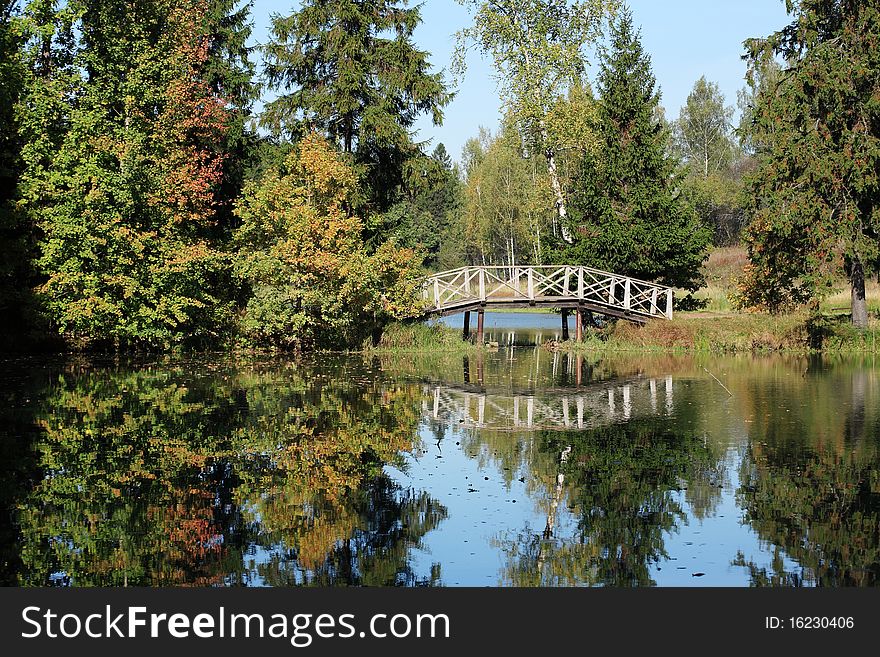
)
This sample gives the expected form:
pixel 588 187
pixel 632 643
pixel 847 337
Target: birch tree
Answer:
pixel 539 49
pixel 702 131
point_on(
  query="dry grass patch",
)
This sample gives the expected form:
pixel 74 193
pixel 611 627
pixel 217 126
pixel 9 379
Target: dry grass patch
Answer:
pixel 715 334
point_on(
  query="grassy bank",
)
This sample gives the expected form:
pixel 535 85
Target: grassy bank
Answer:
pixel 734 333
pixel 724 267
pixel 700 332
pixel 417 338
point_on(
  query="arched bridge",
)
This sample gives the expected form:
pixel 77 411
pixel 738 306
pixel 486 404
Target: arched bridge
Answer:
pixel 565 287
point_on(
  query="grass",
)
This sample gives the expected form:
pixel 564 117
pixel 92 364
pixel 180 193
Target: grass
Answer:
pixel 720 328
pixel 416 337
pixel 725 265
pixel 695 332
pixel 721 269
pixel 840 300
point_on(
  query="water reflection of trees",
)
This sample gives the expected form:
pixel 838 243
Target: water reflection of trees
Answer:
pixel 235 474
pixel 166 477
pixel 19 388
pixel 810 480
pixel 630 479
pixel 623 483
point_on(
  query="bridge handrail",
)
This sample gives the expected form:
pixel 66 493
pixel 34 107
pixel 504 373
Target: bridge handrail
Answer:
pixel 524 267
pixel 640 297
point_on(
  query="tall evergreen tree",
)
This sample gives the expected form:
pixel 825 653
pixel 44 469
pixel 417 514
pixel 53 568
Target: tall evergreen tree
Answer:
pixel 626 214
pixel 816 194
pixel 350 69
pixel 230 72
pixel 430 200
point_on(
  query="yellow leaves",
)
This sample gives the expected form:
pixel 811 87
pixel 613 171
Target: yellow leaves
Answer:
pixel 308 204
pixel 322 170
pixel 188 254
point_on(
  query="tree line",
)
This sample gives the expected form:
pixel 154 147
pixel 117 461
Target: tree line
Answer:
pixel 144 203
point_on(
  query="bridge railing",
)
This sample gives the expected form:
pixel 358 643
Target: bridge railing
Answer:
pixel 460 287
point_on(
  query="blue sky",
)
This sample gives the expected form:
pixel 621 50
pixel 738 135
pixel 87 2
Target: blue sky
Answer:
pixel 685 38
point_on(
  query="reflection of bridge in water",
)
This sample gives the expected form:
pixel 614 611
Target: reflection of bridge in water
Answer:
pixel 586 407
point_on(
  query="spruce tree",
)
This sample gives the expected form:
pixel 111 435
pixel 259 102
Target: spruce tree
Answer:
pixel 350 70
pixel 815 198
pixel 627 216
pixel 429 201
pixel 230 72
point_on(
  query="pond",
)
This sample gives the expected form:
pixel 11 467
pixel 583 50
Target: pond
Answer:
pixel 510 329
pixel 515 467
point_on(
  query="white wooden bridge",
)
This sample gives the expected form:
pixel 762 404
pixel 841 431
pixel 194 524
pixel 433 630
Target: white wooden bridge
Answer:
pixel 565 287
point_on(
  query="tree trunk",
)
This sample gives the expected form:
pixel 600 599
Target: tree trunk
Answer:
pixel 859 305
pixel 560 197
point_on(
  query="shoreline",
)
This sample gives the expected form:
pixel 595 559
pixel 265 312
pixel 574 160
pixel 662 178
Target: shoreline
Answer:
pixel 698 332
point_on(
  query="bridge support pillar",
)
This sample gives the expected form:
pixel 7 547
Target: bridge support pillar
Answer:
pixel 579 325
pixel 564 325
pixel 466 329
pixel 480 314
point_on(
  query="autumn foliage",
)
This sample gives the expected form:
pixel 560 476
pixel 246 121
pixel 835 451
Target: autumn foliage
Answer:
pixel 301 253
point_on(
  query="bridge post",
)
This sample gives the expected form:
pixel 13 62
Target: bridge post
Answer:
pixel 564 324
pixel 480 314
pixel 579 325
pixel 669 304
pixel 466 329
pixel 627 294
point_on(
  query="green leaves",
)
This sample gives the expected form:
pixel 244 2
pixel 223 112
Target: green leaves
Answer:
pixel 814 195
pixel 301 254
pixel 538 47
pixel 508 201
pixel 350 70
pixel 702 132
pixel 126 156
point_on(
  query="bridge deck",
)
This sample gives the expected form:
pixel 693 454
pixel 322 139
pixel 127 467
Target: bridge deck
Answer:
pixel 547 286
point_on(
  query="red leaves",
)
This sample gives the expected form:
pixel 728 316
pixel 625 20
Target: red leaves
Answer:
pixel 193 124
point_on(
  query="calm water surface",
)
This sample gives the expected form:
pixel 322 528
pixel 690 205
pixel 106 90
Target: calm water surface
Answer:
pixel 520 467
